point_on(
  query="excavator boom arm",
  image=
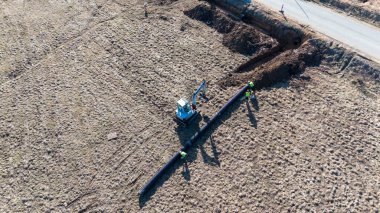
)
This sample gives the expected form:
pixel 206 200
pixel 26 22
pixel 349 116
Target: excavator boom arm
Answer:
pixel 201 87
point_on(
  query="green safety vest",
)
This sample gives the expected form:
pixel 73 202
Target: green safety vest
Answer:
pixel 183 154
pixel 251 84
pixel 247 94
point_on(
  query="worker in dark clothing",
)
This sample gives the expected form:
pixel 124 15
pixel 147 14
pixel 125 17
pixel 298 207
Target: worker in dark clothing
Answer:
pixel 282 9
pixel 145 8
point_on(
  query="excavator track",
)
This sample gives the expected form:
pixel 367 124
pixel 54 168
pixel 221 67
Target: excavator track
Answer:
pixel 187 121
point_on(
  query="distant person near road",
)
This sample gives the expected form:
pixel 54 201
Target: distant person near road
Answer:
pixel 146 8
pixel 282 9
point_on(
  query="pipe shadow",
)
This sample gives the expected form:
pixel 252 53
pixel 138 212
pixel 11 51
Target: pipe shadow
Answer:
pixel 185 132
pixel 192 152
pixel 144 198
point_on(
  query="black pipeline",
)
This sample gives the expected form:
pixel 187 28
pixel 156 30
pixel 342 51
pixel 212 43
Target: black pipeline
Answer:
pixel 190 142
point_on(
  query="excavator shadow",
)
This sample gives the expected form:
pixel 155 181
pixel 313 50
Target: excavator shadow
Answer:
pixel 185 131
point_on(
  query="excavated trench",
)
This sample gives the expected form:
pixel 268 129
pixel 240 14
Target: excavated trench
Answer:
pixel 275 53
pixel 161 2
pixel 238 36
pixel 278 69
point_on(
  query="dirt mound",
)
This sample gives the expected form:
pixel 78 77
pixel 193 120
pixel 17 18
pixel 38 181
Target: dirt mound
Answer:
pixel 286 33
pixel 278 69
pixel 261 58
pixel 239 37
pixel 212 17
pixel 247 40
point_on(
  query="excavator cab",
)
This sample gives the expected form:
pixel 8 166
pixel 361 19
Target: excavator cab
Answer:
pixel 184 111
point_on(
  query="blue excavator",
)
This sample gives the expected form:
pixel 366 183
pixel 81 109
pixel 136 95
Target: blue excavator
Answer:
pixel 186 112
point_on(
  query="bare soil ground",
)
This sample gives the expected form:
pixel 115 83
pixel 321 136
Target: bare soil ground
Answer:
pixel 71 73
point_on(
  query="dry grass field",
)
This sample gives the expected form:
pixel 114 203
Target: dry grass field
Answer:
pixel 73 72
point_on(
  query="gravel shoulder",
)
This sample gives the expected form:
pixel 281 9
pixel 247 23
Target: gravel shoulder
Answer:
pixel 365 10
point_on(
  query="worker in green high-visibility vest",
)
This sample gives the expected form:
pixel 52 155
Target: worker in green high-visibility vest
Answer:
pixel 183 154
pixel 251 85
pixel 247 94
pixel 251 89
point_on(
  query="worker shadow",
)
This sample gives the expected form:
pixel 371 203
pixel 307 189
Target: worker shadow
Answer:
pixel 255 104
pixel 204 98
pixel 184 135
pixel 283 16
pixel 208 136
pixel 251 116
pixel 186 171
pixel 185 132
pixel 211 160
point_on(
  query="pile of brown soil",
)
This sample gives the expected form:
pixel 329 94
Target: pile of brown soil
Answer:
pixel 247 40
pixel 278 69
pixel 239 37
pixel 212 17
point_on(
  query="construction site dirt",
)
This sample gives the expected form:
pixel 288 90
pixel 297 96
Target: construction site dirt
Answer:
pixel 88 93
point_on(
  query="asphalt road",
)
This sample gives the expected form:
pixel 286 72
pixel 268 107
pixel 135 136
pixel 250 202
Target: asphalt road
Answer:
pixel 362 37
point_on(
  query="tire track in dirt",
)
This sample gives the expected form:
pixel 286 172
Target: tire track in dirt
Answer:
pixel 100 103
pixel 113 157
pixel 157 102
pixel 47 56
pixel 116 157
pixel 122 53
pixel 113 167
